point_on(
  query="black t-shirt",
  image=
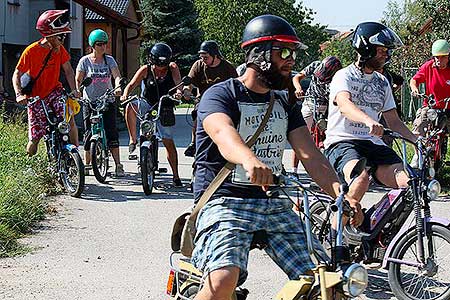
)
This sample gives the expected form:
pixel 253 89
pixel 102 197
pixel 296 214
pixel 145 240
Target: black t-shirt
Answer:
pixel 246 110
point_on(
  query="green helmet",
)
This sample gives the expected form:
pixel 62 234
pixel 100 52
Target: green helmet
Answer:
pixel 97 35
pixel 440 48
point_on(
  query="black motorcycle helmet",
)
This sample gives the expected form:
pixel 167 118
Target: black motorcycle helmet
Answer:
pixel 260 33
pixel 160 54
pixel 210 47
pixel 369 35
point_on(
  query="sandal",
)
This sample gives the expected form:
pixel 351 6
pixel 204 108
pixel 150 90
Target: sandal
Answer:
pixel 131 149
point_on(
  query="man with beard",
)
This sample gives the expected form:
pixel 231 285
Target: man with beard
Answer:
pixel 229 113
pixel 358 95
pixel 210 69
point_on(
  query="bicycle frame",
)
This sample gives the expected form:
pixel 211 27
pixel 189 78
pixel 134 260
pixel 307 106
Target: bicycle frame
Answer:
pixel 327 274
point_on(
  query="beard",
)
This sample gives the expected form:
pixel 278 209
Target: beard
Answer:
pixel 375 63
pixel 274 79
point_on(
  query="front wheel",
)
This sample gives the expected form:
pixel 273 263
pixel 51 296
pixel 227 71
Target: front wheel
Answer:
pixel 99 155
pixel 431 281
pixel 147 170
pixel 72 173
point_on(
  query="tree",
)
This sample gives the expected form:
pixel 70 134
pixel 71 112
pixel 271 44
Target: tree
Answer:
pixel 341 48
pixel 225 20
pixel 172 22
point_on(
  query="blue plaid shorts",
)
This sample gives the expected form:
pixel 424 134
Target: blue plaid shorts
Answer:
pixel 225 229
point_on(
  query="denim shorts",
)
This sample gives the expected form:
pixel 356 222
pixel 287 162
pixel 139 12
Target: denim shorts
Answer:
pixel 341 153
pixel 225 228
pixel 163 132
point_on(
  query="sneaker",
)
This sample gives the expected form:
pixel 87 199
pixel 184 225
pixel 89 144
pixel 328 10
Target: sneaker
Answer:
pixel 87 169
pixel 190 150
pixel 131 149
pixel 119 170
pixel 177 182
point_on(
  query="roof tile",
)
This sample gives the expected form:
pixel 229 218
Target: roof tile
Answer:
pixel 119 6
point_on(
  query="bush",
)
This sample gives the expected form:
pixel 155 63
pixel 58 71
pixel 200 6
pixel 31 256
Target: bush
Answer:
pixel 24 184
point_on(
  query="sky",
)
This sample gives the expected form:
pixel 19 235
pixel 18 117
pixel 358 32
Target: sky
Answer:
pixel 344 15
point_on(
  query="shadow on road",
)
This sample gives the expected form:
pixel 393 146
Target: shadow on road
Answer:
pixel 115 190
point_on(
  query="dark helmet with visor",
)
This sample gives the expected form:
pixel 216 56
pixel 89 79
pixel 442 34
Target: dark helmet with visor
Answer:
pixel 160 54
pixel 259 35
pixel 369 35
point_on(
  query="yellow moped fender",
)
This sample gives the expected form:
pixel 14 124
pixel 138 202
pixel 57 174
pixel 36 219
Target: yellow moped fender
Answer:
pixel 293 289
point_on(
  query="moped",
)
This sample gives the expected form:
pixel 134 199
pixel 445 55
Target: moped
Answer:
pixel 333 278
pixel 98 142
pixel 400 233
pixel 148 139
pixel 63 157
pixel 437 130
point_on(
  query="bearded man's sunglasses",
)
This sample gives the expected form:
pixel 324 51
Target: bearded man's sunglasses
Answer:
pixel 285 52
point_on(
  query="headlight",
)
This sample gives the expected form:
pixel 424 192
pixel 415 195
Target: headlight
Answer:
pixel 63 127
pixel 432 114
pixel 146 126
pixel 95 120
pixel 355 280
pixel 433 189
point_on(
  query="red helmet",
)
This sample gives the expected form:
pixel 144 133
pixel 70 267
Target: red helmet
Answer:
pixel 53 22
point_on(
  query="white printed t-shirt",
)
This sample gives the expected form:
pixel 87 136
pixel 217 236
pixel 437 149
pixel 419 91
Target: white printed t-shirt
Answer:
pixel 371 93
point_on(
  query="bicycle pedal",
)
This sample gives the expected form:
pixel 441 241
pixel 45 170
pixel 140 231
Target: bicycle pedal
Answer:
pixel 162 170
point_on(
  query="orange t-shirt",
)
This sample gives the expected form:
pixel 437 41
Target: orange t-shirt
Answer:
pixel 31 62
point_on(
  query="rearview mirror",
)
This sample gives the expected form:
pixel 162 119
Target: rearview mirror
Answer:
pixel 86 82
pixel 186 80
pixel 358 168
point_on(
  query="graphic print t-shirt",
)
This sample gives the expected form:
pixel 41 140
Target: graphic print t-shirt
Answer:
pixel 369 92
pixel 246 110
pixel 100 74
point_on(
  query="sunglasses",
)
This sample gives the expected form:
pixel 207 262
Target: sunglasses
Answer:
pixel 285 52
pixel 100 44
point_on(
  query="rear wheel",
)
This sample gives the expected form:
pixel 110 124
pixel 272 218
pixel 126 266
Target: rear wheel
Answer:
pixel 190 292
pixel 431 281
pixel 147 170
pixel 99 155
pixel 72 173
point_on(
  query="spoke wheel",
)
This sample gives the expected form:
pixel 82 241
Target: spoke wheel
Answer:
pixel 72 173
pixel 99 156
pixel 429 282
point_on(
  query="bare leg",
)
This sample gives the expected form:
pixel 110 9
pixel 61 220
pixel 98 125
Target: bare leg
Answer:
pixel 32 147
pixel 172 156
pixel 115 154
pixel 73 133
pixel 392 175
pixel 219 285
pixel 87 157
pixel 130 118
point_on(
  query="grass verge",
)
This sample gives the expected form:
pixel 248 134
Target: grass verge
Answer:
pixel 24 187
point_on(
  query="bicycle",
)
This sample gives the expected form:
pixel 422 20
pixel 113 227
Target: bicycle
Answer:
pixel 334 278
pixel 319 118
pixel 148 140
pixel 437 130
pixel 63 157
pixel 98 142
pixel 414 253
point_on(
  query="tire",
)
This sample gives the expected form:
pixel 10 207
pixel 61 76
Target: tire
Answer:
pixel 72 173
pixel 147 170
pixel 99 160
pixel 190 292
pixel 408 282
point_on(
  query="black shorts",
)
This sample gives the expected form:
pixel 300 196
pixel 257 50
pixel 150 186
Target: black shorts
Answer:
pixel 109 122
pixel 341 153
